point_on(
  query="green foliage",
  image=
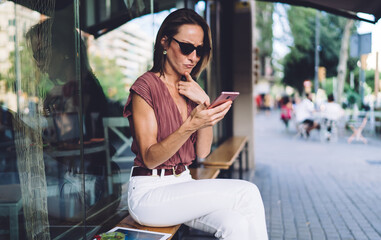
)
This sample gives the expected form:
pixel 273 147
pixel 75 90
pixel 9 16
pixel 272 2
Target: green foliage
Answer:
pixel 300 61
pixel 302 25
pixel 264 23
pixel 351 94
pixel 352 65
pixel 352 98
pixel 369 79
pixel 10 76
pixel 328 86
pixel 110 77
pixel 32 81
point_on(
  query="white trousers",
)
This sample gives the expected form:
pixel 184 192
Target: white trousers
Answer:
pixel 228 208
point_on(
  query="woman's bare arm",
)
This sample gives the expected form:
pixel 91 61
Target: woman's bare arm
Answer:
pixel 145 124
pixel 204 142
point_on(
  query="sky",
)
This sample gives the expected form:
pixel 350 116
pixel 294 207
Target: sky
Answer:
pixel 281 32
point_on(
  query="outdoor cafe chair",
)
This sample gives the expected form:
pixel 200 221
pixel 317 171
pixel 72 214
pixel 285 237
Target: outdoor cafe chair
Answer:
pixel 357 128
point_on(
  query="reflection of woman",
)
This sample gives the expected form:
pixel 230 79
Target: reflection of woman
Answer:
pixel 75 89
pixel 59 61
pixel 171 125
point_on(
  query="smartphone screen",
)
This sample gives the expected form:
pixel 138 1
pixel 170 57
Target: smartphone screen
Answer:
pixel 225 96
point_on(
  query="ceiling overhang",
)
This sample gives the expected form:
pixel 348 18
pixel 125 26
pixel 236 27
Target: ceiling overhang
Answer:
pixel 346 8
pixel 97 19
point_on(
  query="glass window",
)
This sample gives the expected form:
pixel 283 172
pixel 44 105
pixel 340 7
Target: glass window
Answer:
pixel 11 22
pixel 64 145
pixel 65 73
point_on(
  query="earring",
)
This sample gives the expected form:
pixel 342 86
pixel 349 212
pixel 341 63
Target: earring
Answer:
pixel 165 52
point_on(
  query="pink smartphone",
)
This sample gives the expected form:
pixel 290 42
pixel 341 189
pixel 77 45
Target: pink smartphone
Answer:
pixel 225 96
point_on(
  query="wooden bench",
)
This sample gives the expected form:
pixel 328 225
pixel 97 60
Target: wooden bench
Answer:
pixel 197 173
pixel 225 155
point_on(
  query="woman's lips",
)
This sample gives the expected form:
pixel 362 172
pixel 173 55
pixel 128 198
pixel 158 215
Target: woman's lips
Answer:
pixel 189 65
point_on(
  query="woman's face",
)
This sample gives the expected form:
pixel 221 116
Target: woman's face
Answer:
pixel 177 62
pixel 58 66
pixel 61 66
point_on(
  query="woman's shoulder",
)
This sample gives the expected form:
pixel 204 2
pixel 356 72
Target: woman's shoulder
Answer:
pixel 148 85
pixel 148 76
pixel 143 86
pixel 148 79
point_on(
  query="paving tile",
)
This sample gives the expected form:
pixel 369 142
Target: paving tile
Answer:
pixel 316 190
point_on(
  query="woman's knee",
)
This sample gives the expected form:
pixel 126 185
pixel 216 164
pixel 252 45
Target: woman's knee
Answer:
pixel 254 190
pixel 233 226
pixel 251 190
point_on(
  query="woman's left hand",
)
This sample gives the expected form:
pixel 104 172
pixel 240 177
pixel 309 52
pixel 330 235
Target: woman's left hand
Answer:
pixel 192 90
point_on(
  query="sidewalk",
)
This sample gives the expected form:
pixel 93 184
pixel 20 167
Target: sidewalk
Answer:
pixel 314 190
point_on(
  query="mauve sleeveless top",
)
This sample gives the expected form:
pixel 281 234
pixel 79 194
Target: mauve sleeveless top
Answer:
pixel 153 90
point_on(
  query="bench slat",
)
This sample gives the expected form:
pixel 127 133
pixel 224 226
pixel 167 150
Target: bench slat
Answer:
pixel 204 173
pixel 226 153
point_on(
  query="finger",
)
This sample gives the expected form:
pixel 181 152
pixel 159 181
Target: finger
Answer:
pixel 222 106
pixel 182 84
pixel 219 116
pixel 222 113
pixel 202 106
pixel 183 91
pixel 188 77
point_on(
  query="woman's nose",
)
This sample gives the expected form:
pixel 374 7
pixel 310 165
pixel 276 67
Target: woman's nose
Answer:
pixel 193 56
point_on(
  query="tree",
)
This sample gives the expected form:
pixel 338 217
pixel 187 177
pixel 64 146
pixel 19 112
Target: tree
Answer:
pixel 110 77
pixel 299 62
pixel 343 59
pixel 33 82
pixel 264 24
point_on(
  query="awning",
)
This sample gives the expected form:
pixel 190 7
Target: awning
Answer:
pixel 101 16
pixel 346 8
pixel 121 13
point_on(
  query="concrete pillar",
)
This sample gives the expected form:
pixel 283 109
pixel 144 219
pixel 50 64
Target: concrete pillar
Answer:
pixel 243 81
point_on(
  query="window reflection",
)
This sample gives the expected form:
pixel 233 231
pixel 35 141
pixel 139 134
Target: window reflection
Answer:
pixel 73 109
pixel 64 147
pixel 129 48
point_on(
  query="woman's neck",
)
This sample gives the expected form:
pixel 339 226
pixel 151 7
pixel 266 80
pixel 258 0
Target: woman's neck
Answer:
pixel 170 74
pixel 170 78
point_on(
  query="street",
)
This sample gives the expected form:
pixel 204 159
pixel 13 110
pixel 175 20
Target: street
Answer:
pixel 317 190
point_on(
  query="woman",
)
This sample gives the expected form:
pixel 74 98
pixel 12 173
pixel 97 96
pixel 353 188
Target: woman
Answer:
pixel 171 124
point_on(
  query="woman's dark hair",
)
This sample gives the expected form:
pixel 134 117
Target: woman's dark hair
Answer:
pixel 170 27
pixel 61 36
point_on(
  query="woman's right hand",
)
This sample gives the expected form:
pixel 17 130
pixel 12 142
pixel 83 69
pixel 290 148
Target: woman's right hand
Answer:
pixel 202 117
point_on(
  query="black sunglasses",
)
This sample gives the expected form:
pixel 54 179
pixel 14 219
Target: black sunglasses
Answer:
pixel 187 48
